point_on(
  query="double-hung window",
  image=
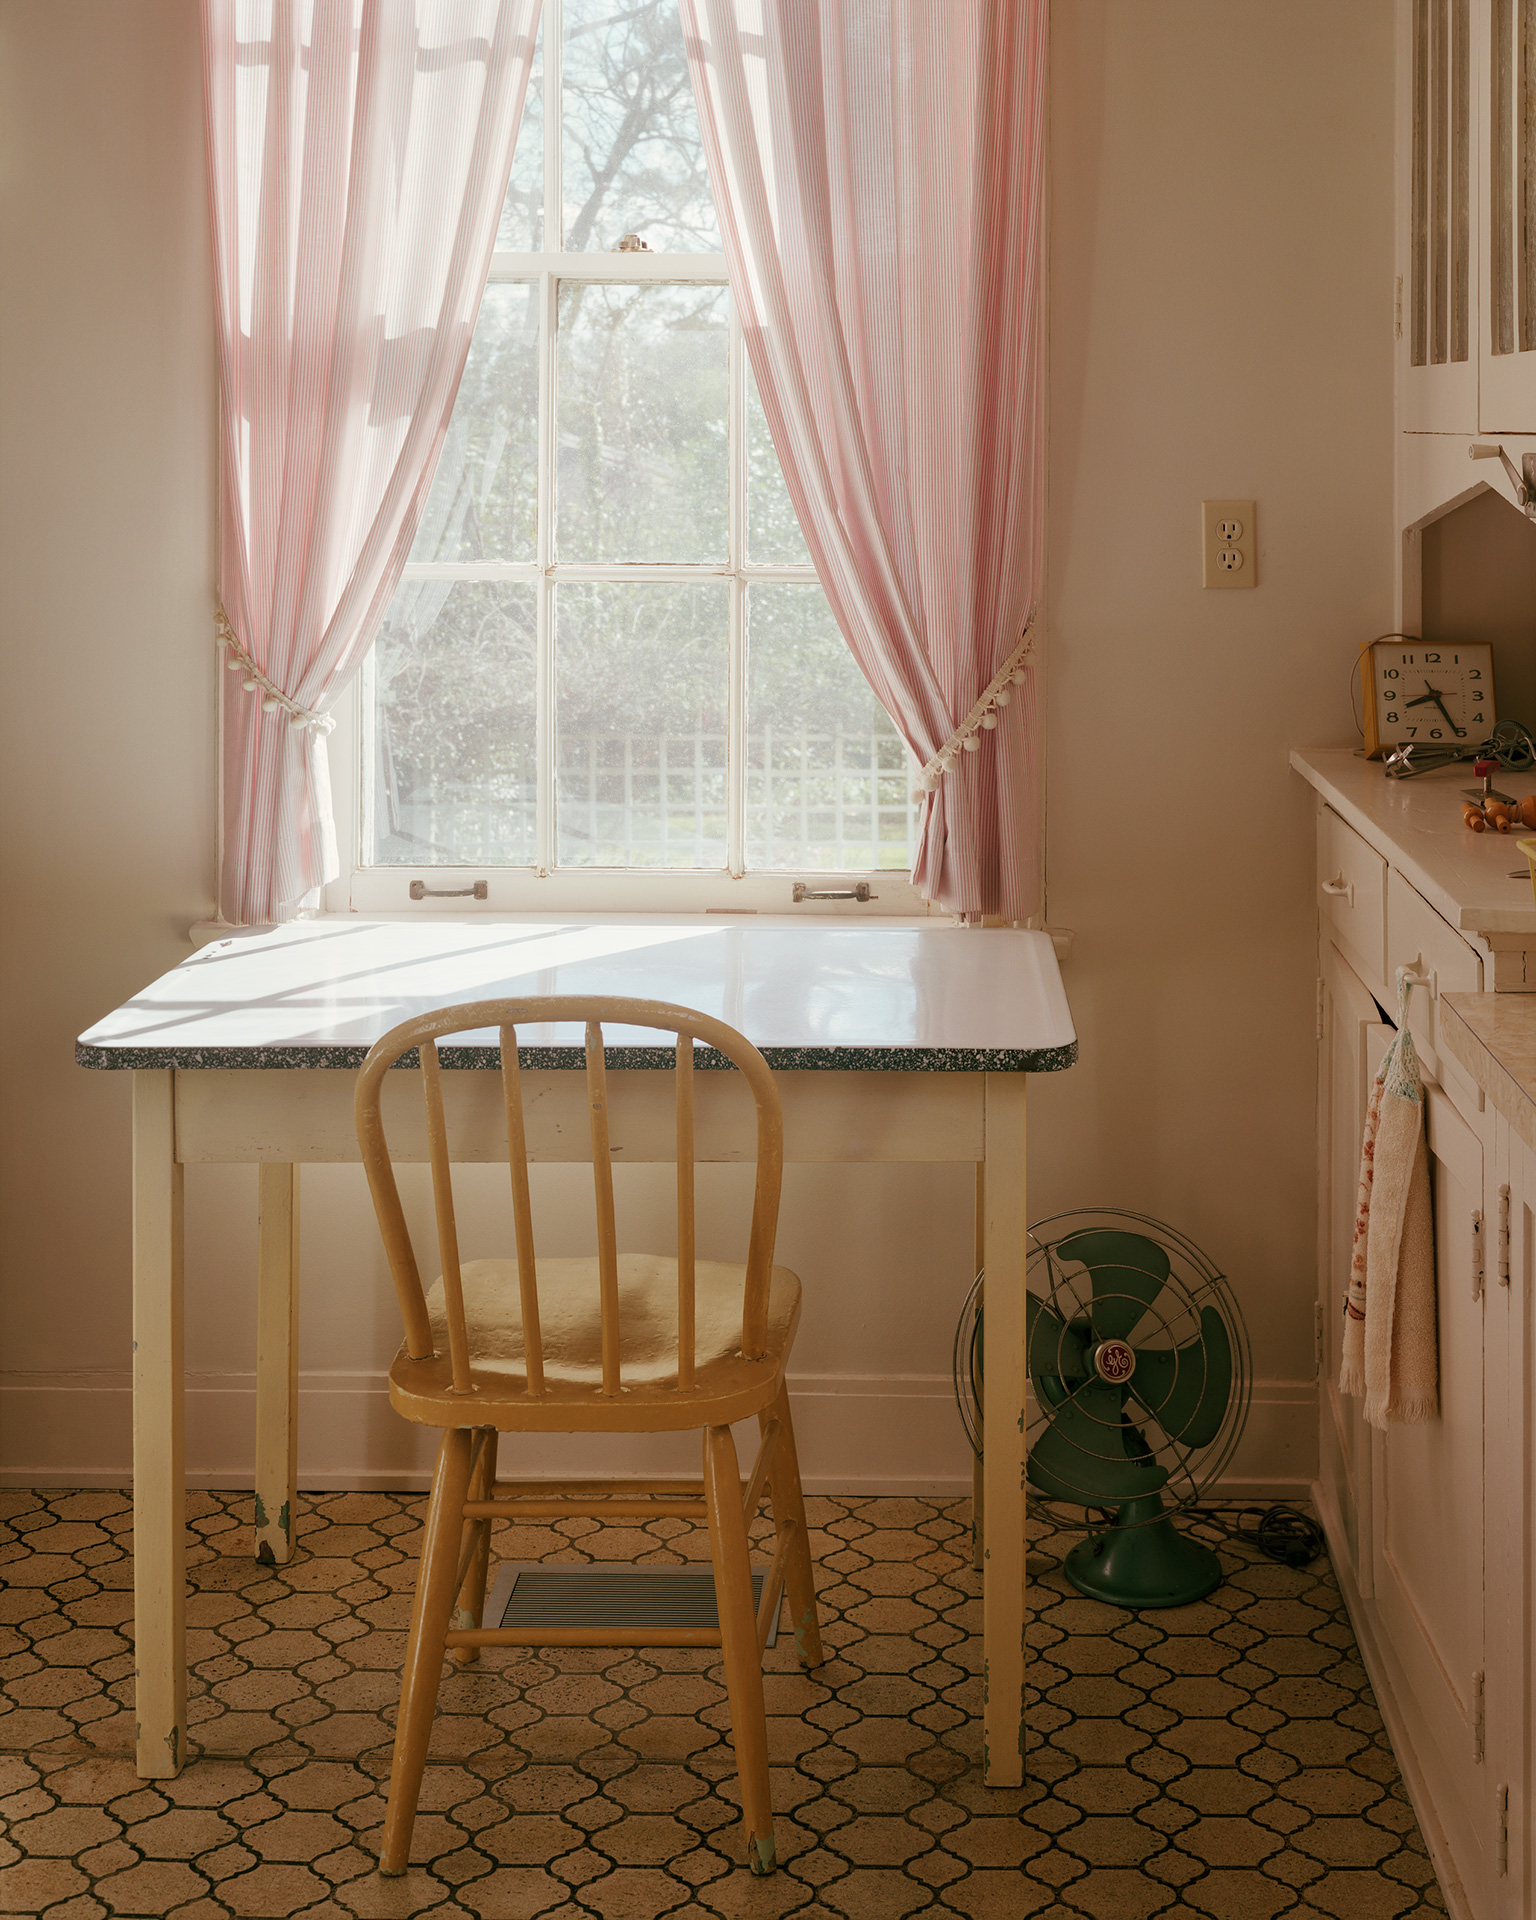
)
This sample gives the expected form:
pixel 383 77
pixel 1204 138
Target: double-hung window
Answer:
pixel 609 677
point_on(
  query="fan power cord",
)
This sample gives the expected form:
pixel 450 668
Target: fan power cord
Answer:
pixel 967 1365
pixel 1282 1533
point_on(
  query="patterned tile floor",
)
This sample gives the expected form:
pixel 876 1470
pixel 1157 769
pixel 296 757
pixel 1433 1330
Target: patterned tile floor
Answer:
pixel 1224 1760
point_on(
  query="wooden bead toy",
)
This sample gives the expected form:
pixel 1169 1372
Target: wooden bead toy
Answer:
pixel 1490 812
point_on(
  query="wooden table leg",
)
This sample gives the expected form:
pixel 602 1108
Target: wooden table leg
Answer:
pixel 277 1361
pixel 159 1456
pixel 1003 1462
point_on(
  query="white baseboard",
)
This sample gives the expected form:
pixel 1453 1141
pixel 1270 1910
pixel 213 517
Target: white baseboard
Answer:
pixel 857 1433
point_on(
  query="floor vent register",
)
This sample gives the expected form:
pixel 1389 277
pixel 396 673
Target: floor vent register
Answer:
pixel 529 1594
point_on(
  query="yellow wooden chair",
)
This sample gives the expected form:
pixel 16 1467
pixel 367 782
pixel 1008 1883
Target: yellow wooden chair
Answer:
pixel 624 1343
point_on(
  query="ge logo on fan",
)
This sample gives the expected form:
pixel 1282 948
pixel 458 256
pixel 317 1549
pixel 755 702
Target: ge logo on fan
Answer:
pixel 1114 1361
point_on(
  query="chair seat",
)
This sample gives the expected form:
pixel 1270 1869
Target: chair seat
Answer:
pixel 728 1388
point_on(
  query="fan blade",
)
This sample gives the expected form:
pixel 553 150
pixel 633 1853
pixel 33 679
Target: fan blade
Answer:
pixel 1128 1271
pixel 1057 1358
pixel 1186 1389
pixel 1089 1454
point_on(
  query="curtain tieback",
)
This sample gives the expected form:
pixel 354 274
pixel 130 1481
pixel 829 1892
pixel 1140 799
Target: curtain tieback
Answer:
pixel 257 682
pixel 966 738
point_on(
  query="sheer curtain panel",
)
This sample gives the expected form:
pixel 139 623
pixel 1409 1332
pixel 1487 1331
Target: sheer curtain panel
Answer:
pixel 358 154
pixel 877 167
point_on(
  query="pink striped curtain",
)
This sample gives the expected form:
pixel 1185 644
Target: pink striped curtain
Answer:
pixel 358 155
pixel 877 166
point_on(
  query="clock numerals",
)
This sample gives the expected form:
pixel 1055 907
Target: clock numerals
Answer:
pixel 1433 694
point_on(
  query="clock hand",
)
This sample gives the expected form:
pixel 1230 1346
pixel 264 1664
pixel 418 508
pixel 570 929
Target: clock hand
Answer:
pixel 1433 698
pixel 1434 693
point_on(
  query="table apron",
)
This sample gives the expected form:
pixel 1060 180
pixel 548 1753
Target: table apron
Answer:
pixel 304 1114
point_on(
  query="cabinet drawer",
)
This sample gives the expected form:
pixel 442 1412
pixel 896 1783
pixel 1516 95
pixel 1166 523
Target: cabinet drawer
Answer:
pixel 1420 940
pixel 1352 893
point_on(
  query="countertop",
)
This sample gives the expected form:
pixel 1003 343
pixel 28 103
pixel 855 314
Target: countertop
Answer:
pixel 1493 1035
pixel 1416 825
pixel 870 998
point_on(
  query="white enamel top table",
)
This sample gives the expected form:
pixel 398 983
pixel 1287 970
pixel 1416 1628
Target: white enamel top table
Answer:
pixel 890 1041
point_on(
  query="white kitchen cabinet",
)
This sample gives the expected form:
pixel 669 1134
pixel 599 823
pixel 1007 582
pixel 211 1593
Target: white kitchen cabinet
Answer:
pixel 1424 1520
pixel 1429 1525
pixel 1433 959
pixel 1430 1514
pixel 1506 93
pixel 1466 216
pixel 1352 1037
pixel 1465 262
pixel 1352 893
pixel 1509 1338
pixel 1438 230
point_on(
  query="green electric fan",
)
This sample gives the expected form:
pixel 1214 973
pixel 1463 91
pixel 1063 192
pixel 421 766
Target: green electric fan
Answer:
pixel 1140 1378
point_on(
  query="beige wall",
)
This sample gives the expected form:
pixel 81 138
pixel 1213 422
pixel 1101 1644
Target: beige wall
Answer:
pixel 106 544
pixel 1220 325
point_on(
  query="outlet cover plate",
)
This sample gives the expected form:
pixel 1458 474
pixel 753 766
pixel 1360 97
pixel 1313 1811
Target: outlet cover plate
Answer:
pixel 1228 546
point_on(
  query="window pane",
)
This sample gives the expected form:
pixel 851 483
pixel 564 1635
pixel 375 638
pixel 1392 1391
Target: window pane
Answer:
pixel 642 680
pixel 773 532
pixel 522 213
pixel 631 157
pixel 485 492
pixel 454 776
pixel 641 415
pixel 828 777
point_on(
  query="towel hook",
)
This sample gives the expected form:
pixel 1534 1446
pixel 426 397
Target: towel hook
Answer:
pixel 1409 977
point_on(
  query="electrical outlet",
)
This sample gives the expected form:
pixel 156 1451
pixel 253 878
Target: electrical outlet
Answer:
pixel 1228 543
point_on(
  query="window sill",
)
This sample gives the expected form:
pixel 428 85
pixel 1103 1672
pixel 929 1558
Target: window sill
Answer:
pixel 202 932
pixel 387 890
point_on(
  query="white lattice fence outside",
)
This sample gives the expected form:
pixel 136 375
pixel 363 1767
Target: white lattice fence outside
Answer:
pixel 830 800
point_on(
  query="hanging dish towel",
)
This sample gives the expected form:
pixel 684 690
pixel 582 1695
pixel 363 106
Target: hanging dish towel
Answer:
pixel 1391 1355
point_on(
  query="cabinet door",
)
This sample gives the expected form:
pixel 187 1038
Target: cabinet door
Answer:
pixel 1352 1041
pixel 1437 216
pixel 1511 1355
pixel 1428 1523
pixel 1506 89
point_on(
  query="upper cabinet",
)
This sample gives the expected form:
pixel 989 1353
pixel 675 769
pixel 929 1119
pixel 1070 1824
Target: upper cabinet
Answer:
pixel 1466 219
pixel 1438 225
pixel 1507 289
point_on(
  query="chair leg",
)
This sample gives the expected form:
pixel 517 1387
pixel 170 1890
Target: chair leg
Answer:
pixel 472 1594
pixel 738 1636
pixel 424 1650
pixel 788 1501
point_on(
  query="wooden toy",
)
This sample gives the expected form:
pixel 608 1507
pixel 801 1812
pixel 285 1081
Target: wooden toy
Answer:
pixel 1487 810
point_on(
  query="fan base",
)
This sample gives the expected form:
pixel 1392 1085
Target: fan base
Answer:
pixel 1149 1564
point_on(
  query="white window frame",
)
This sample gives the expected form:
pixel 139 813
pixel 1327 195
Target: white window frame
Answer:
pixel 368 888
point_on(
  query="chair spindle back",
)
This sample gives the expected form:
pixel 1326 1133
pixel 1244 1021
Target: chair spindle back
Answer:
pixel 423 1033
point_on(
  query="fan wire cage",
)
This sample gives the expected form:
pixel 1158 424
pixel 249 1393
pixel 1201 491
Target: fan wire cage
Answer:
pixel 1170 1327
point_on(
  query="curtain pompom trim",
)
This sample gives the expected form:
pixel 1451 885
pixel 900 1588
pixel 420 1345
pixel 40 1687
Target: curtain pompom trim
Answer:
pixel 257 682
pixel 982 718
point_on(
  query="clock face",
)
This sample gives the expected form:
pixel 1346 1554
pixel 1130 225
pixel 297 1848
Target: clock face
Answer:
pixel 1440 695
